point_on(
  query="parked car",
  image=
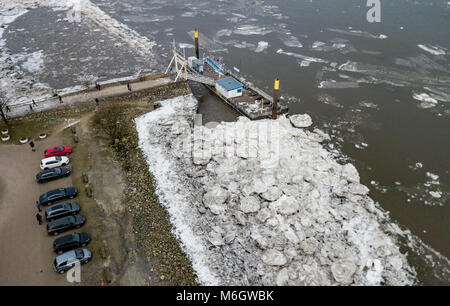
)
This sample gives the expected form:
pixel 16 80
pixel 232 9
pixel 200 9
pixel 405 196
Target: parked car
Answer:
pixel 57 151
pixel 52 174
pixel 59 194
pixel 53 162
pixel 61 210
pixel 65 224
pixel 70 242
pixel 69 259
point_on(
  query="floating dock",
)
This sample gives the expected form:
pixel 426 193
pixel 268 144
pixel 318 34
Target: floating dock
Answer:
pixel 250 101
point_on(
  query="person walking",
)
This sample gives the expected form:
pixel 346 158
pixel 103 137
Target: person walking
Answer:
pixel 32 146
pixel 7 109
pixel 38 206
pixel 39 218
pixel 60 99
pixel 129 86
pixel 31 107
pixel 96 101
pixel 34 102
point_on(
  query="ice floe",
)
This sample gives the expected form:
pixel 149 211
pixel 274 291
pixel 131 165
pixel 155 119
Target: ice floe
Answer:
pixel 251 30
pixel 262 45
pixel 306 60
pixel 358 33
pixel 435 50
pixel 424 97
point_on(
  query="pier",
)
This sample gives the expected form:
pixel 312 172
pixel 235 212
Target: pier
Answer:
pixel 249 101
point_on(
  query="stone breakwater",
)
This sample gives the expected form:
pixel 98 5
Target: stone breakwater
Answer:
pixel 278 210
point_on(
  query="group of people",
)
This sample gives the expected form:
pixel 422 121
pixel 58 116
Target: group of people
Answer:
pixel 38 215
pixel 97 101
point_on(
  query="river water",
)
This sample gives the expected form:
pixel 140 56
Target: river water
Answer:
pixel 380 90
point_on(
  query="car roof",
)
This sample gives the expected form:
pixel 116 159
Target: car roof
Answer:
pixel 55 148
pixel 66 256
pixel 50 170
pixel 59 206
pixel 62 220
pixel 66 238
pixel 58 190
pixel 51 158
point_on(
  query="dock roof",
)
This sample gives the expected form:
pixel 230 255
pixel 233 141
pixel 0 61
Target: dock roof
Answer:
pixel 229 83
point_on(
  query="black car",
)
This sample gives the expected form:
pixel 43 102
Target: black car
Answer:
pixel 70 242
pixel 52 174
pixel 57 195
pixel 65 224
pixel 61 210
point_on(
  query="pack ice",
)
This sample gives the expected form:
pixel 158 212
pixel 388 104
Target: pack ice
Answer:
pixel 263 203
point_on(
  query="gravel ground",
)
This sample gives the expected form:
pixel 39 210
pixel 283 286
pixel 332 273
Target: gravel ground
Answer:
pixel 151 223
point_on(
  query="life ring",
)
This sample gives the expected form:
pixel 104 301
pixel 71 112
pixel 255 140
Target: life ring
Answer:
pixel 23 140
pixel 43 135
pixel 5 131
pixel 5 138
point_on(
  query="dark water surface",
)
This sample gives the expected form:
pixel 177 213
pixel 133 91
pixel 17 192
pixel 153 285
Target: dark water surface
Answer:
pixel 398 132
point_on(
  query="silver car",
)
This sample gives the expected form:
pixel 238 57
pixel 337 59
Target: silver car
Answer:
pixel 69 259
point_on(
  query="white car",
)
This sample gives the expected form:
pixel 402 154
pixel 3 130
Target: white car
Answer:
pixel 54 161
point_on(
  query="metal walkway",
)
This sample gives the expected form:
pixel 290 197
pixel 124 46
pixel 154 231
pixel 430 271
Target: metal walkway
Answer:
pixel 201 79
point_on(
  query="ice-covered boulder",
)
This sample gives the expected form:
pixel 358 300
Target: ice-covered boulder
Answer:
pixel 287 205
pixel 350 173
pixel 343 271
pixel 309 245
pixel 249 204
pixel 273 257
pixel 272 194
pixel 263 215
pixel 282 277
pixel 215 198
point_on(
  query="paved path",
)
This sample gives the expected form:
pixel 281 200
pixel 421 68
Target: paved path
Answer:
pixel 17 111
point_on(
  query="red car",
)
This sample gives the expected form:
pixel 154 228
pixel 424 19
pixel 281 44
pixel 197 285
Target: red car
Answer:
pixel 57 151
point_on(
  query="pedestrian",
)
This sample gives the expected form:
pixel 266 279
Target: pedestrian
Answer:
pixel 7 109
pixel 60 99
pixel 129 86
pixel 31 108
pixel 97 85
pixel 38 206
pixel 32 146
pixel 96 101
pixel 34 102
pixel 39 218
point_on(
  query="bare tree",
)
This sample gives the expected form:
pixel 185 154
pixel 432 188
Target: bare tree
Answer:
pixel 3 104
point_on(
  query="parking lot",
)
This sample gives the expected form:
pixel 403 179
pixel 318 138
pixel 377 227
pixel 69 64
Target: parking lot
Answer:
pixel 131 237
pixel 26 255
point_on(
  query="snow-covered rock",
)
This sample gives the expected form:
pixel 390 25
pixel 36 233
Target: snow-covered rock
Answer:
pixel 275 205
pixel 274 257
pixel 272 194
pixel 343 271
pixel 249 204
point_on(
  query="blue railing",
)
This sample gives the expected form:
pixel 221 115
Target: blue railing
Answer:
pixel 214 65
